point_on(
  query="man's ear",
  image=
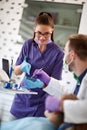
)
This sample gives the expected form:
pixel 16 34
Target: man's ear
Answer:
pixel 73 54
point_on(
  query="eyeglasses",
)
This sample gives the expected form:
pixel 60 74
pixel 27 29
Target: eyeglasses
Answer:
pixel 46 35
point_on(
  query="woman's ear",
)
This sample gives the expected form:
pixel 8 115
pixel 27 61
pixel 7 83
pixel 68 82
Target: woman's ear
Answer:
pixel 52 30
pixel 34 28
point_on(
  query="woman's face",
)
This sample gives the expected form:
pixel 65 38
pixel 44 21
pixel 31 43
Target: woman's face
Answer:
pixel 43 33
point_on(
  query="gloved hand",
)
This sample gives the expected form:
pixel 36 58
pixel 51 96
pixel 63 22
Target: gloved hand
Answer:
pixel 31 83
pixel 25 67
pixel 42 75
pixel 52 104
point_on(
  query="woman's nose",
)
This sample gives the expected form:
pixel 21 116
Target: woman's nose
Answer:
pixel 42 37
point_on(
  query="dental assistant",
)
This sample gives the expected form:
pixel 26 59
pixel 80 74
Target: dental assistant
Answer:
pixel 40 52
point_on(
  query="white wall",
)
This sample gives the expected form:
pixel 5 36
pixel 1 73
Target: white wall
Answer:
pixel 10 16
pixel 83 22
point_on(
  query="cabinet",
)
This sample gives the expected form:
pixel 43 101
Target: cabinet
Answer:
pixel 66 18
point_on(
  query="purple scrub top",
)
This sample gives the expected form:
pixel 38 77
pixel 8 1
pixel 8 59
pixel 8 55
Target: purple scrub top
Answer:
pixel 51 60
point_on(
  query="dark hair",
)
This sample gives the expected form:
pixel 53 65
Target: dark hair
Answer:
pixel 45 18
pixel 78 43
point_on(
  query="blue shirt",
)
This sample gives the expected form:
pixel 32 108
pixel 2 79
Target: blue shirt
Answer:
pixel 51 60
pixel 79 80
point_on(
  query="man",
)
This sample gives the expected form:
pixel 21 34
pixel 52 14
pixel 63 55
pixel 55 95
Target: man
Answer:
pixel 76 59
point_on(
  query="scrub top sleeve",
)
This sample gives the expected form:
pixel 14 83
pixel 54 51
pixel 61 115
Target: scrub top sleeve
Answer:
pixel 58 66
pixel 22 53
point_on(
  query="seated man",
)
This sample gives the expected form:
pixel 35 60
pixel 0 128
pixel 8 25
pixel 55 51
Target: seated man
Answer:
pixel 76 59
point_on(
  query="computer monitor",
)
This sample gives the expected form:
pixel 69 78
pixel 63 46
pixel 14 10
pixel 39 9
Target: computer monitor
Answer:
pixel 5 65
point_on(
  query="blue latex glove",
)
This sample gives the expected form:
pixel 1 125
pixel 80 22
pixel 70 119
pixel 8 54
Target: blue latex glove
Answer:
pixel 42 75
pixel 52 104
pixel 25 67
pixel 31 83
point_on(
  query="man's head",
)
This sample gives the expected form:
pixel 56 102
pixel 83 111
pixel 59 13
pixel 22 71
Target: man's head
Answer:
pixel 76 49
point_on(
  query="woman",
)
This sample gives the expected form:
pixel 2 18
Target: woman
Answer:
pixel 40 52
